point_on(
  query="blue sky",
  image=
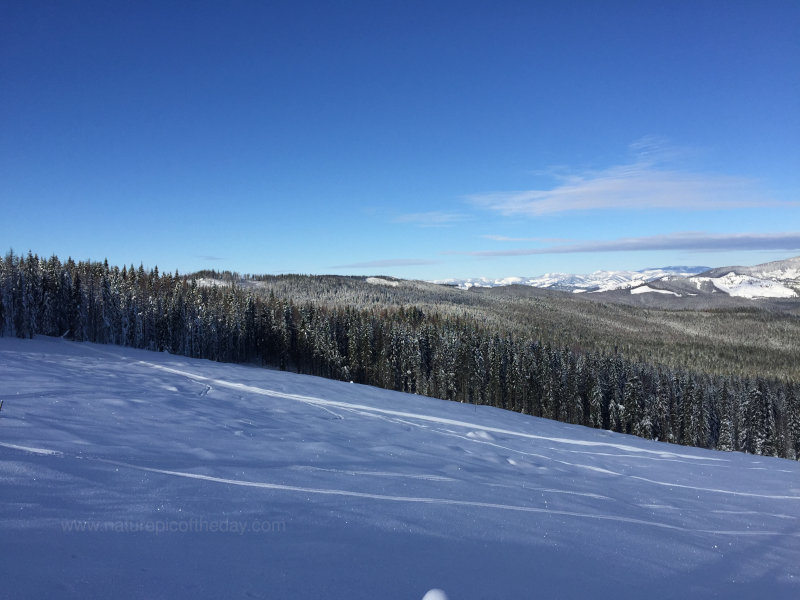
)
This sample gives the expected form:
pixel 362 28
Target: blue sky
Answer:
pixel 415 139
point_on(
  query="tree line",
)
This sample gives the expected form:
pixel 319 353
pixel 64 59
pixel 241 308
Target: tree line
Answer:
pixel 444 354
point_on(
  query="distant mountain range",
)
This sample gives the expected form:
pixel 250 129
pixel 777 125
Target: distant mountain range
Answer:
pixel 778 279
pixel 599 281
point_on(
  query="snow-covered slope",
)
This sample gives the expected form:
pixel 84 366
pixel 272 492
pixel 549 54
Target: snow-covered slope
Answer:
pixel 745 286
pixel 599 281
pixel 786 271
pixel 777 279
pixel 130 474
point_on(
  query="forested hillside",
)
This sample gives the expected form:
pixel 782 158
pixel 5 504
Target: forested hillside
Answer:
pixel 746 339
pixel 611 367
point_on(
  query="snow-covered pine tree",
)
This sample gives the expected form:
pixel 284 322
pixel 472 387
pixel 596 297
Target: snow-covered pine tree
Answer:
pixel 793 420
pixel 596 404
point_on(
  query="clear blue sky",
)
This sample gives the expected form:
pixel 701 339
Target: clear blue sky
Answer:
pixel 416 139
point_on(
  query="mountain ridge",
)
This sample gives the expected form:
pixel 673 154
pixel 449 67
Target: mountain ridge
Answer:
pixel 772 280
pixel 602 280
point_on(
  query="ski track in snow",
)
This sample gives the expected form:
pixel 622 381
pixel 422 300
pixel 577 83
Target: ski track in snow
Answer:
pixel 402 417
pixel 374 411
pixel 639 457
pixel 444 501
pixel 41 451
pixel 364 409
pixel 369 410
pixel 397 484
pixel 376 473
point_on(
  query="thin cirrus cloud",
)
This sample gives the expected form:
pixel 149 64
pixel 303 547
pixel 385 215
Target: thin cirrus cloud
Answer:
pixel 391 262
pixel 637 186
pixel 690 240
pixel 505 238
pixel 436 218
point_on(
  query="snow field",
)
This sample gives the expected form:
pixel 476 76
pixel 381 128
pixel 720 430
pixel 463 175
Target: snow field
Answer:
pixel 141 474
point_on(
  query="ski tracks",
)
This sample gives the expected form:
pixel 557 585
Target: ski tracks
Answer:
pixel 414 419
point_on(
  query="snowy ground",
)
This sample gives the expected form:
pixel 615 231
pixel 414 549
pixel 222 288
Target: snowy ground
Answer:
pixel 746 286
pixel 131 474
pixel 646 289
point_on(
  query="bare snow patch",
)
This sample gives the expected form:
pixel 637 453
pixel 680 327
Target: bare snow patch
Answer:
pixel 646 288
pixel 381 281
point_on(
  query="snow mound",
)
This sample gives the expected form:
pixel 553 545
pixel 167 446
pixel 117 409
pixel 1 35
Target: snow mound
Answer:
pixel 381 281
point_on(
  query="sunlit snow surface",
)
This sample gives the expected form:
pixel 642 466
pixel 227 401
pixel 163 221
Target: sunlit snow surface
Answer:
pixel 118 467
pixel 646 289
pixel 598 281
pixel 746 286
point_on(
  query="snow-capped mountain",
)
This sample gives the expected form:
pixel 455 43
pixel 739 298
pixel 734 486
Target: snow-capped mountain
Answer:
pixel 777 279
pixel 599 281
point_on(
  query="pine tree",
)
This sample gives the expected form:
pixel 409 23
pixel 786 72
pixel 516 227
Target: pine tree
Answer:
pixel 793 421
pixel 700 419
pixel 51 295
pixel 78 311
pixel 770 438
pixel 742 411
pixel 661 415
pixel 688 414
pixel 632 401
pixel 756 421
pixel 20 315
pixel 726 440
pixel 644 426
pixel 616 416
pixel 32 295
pixel 596 404
pixel 573 403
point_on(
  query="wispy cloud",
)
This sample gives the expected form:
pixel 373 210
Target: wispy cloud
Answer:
pixel 505 238
pixel 640 185
pixel 689 240
pixel 436 218
pixel 390 262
